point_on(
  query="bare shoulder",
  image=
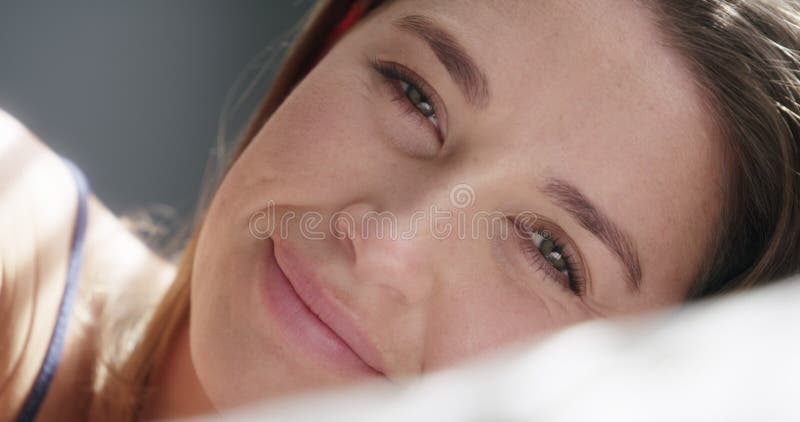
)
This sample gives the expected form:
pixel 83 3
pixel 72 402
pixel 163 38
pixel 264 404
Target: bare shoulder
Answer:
pixel 37 216
pixel 37 220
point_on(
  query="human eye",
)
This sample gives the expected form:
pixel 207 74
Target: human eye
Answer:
pixel 415 97
pixel 543 245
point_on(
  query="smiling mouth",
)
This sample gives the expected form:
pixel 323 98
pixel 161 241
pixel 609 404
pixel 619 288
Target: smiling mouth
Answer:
pixel 327 317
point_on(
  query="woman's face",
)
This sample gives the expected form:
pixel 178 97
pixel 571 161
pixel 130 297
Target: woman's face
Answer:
pixel 570 114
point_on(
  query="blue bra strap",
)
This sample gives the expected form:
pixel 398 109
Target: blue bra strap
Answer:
pixel 54 350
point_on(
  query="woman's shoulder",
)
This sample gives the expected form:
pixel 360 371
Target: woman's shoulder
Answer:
pixel 38 213
pixel 37 217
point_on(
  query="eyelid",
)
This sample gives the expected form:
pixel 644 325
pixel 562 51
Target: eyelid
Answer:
pixel 399 71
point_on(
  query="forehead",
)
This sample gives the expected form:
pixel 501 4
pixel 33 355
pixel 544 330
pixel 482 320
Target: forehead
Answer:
pixel 587 91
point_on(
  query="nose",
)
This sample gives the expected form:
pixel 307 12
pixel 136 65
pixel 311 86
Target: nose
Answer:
pixel 387 249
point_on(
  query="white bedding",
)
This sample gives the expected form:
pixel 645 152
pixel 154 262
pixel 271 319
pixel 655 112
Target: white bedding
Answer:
pixel 730 359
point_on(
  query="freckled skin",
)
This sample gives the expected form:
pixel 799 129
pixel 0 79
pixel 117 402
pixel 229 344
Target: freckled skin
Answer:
pixel 582 91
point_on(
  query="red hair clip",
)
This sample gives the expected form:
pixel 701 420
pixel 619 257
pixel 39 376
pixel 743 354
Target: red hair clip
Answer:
pixel 356 11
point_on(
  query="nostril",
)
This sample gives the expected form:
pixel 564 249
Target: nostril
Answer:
pixel 379 256
pixel 344 230
pixel 351 226
pixel 343 225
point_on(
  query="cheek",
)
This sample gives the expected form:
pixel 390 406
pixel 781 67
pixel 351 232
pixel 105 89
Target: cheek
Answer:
pixel 482 310
pixel 337 135
pixel 323 133
pixel 220 279
pixel 236 350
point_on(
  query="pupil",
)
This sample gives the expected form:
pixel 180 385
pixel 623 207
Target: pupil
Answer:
pixel 414 95
pixel 547 247
pixel 420 102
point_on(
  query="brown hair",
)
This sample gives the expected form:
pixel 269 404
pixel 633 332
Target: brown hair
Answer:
pixel 746 56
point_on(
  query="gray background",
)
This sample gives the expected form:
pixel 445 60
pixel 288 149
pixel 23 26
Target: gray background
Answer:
pixel 132 91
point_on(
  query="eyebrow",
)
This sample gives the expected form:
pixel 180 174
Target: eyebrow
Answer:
pixel 592 219
pixel 462 68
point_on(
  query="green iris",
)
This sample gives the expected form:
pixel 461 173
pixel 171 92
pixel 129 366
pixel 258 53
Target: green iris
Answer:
pixel 554 257
pixel 419 101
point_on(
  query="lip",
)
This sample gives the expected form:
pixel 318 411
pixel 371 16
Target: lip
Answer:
pixel 312 318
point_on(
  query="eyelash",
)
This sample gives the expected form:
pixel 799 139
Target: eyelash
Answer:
pixel 573 280
pixel 395 73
